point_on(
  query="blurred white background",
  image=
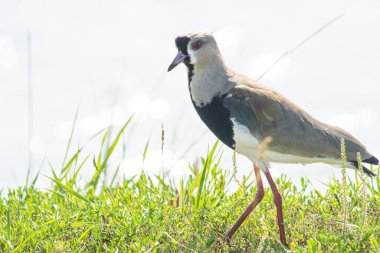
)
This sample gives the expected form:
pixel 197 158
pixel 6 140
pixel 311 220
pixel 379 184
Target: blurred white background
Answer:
pixel 110 59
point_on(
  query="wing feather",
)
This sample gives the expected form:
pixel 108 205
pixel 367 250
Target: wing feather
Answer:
pixel 267 113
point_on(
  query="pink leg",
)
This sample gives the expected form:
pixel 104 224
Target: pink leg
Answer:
pixel 259 196
pixel 278 201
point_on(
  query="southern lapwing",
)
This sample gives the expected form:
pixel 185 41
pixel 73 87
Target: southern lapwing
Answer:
pixel 242 114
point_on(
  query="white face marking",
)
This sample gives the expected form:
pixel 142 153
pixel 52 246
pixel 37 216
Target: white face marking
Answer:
pixel 193 58
pixel 209 75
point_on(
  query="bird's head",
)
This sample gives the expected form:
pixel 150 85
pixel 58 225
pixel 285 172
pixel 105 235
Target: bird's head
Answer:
pixel 196 49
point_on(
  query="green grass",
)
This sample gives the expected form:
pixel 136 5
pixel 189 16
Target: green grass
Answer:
pixel 153 214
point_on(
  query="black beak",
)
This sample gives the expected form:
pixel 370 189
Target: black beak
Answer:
pixel 177 60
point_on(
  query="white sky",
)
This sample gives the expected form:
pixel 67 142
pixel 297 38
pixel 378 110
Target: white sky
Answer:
pixel 111 58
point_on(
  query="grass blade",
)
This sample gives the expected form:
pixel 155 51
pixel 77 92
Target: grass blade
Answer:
pixel 71 137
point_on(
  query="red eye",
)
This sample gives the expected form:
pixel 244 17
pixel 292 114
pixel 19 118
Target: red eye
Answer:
pixel 196 45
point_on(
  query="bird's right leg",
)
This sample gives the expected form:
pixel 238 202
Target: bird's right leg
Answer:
pixel 278 202
pixel 259 196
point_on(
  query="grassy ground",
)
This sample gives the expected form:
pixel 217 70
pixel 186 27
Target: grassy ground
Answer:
pixel 152 214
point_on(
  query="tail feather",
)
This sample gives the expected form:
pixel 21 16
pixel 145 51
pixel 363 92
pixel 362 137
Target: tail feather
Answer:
pixel 372 160
pixel 365 169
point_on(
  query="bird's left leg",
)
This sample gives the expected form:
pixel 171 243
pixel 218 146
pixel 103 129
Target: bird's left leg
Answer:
pixel 278 202
pixel 259 196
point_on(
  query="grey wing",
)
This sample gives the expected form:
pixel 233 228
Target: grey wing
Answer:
pixel 267 113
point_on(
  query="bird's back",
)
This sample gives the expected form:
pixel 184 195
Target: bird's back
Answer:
pixel 293 130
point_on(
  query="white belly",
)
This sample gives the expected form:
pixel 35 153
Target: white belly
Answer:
pixel 247 145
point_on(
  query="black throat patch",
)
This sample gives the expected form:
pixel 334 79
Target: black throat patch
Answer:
pixel 217 119
pixel 181 43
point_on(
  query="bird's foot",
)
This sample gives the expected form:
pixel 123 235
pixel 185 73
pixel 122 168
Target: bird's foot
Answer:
pixel 227 239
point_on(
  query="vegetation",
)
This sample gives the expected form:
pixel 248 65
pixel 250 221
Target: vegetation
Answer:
pixel 153 214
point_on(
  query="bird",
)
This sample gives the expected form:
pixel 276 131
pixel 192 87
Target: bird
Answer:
pixel 243 114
